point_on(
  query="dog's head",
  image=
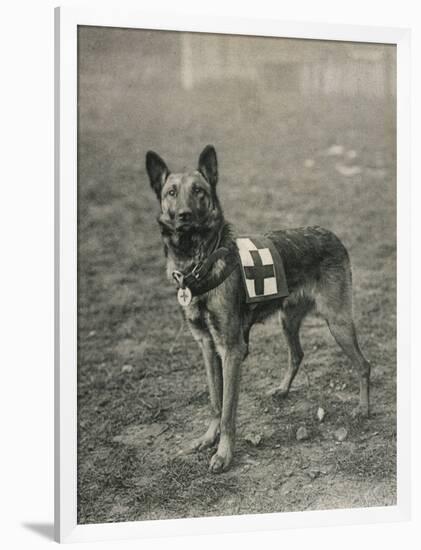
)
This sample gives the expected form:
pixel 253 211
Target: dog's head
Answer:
pixel 188 200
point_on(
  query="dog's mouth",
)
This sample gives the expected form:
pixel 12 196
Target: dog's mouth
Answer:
pixel 184 227
pixel 169 225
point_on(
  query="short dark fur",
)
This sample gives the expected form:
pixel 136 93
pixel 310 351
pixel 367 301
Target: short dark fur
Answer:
pixel 318 273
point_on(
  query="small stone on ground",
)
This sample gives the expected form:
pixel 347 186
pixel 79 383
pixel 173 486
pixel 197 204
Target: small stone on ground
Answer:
pixel 302 434
pixel 254 439
pixel 341 434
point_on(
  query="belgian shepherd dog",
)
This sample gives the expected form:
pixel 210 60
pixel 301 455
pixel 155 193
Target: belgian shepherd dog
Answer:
pixel 318 273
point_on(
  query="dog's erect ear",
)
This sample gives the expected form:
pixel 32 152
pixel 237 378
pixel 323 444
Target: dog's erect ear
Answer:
pixel 157 171
pixel 208 164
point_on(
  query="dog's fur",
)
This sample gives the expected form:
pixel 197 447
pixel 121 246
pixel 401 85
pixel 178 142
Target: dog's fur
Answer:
pixel 318 273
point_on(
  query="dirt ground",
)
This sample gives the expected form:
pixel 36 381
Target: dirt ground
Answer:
pixel 141 384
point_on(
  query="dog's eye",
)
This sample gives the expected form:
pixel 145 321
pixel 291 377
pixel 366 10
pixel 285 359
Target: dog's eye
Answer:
pixel 172 192
pixel 197 190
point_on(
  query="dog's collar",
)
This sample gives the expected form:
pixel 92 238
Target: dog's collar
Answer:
pixel 200 279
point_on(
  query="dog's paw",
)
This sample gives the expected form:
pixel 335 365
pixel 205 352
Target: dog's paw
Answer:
pixel 277 393
pixel 360 412
pixel 220 463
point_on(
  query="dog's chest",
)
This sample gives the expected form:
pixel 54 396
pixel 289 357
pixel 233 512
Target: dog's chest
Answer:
pixel 198 317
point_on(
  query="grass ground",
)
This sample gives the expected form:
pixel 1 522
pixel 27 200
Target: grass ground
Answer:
pixel 141 383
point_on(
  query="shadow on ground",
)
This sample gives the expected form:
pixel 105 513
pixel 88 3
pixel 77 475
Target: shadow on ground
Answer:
pixel 45 530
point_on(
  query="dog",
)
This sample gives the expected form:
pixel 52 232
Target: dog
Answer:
pixel 200 248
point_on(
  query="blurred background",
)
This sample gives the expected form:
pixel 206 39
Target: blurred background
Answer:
pixel 305 133
pixel 265 103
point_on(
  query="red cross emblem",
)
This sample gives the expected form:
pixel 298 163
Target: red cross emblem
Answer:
pixel 258 272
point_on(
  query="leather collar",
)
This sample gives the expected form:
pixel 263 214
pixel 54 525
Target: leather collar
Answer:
pixel 201 279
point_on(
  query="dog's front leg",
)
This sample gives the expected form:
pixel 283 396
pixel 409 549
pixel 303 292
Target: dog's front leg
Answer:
pixel 231 368
pixel 214 378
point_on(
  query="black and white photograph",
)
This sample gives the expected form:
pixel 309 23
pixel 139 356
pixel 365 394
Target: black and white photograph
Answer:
pixel 236 275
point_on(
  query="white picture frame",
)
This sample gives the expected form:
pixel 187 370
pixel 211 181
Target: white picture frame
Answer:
pixel 66 23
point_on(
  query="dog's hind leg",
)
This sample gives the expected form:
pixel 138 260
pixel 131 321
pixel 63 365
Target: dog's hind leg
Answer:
pixel 291 318
pixel 343 330
pixel 335 305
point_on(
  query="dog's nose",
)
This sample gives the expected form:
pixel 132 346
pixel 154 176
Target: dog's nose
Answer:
pixel 185 215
